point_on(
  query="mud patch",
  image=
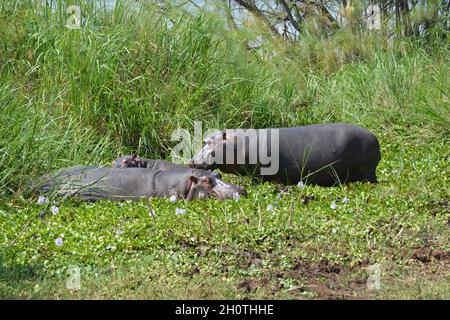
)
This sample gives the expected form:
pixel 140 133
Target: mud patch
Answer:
pixel 248 285
pixel 322 280
pixel 327 266
pixel 426 254
pixel 247 259
pixel 439 206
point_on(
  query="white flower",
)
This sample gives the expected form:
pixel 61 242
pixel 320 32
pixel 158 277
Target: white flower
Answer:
pixel 151 213
pixel 59 242
pixel 301 185
pixel 111 247
pixel 41 200
pixel 119 232
pixel 236 196
pixel 333 205
pixel 55 210
pixel 173 198
pixel 269 207
pixel 180 211
pixel 345 200
pixel 279 195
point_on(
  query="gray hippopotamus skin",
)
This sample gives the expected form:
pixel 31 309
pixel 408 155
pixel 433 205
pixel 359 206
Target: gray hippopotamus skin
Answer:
pixel 323 154
pixel 135 161
pixel 95 183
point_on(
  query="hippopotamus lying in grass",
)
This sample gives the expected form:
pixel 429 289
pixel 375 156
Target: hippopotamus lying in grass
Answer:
pixel 95 183
pixel 324 154
pixel 135 161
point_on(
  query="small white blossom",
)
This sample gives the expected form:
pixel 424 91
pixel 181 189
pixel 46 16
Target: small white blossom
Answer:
pixel 180 211
pixel 55 210
pixel 345 200
pixel 59 242
pixel 41 200
pixel 173 198
pixel 111 247
pixel 301 184
pixel 269 207
pixel 119 232
pixel 333 205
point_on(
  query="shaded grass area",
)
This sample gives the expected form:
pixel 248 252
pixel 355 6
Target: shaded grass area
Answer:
pixel 126 80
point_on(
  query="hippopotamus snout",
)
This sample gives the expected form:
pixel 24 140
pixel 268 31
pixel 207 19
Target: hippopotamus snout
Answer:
pixel 222 190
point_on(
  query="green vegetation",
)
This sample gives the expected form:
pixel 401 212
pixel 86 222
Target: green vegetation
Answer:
pixel 128 78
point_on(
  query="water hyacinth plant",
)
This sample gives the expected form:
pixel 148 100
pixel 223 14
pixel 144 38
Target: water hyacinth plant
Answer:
pixel 128 77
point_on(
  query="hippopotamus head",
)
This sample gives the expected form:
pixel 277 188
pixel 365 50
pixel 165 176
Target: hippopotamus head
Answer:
pixel 206 157
pixel 203 184
pixel 128 162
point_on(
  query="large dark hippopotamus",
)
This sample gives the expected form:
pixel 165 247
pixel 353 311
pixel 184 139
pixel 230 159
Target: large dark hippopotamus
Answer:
pixel 95 183
pixel 323 154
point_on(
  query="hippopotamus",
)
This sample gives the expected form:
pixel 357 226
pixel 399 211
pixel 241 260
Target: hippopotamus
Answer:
pixel 322 154
pixel 135 161
pixel 95 183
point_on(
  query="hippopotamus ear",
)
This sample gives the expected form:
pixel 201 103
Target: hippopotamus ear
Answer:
pixel 191 182
pixel 227 135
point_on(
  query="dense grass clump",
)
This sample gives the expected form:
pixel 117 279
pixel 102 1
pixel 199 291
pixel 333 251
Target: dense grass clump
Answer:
pixel 131 75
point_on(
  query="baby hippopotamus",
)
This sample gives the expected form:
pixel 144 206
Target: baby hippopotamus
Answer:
pixel 323 154
pixel 95 183
pixel 135 161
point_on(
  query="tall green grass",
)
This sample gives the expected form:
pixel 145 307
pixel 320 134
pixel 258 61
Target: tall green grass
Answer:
pixel 128 77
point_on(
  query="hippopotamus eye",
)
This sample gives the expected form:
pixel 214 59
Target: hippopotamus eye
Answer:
pixel 207 181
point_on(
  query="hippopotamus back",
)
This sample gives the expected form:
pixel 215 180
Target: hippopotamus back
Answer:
pixel 95 183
